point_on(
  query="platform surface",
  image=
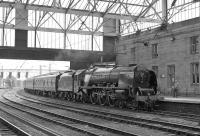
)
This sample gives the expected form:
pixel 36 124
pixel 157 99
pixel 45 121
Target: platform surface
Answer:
pixel 180 99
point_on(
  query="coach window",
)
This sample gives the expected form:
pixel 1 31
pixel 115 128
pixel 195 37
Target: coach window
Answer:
pixel 193 44
pixel 154 50
pixel 195 73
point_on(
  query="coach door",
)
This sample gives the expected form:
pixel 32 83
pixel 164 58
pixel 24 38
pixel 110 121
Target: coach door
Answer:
pixel 171 75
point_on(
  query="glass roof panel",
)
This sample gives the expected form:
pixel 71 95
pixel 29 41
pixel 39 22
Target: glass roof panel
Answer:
pixel 112 6
pixel 136 12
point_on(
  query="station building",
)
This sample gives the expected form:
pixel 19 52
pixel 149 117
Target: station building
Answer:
pixel 171 51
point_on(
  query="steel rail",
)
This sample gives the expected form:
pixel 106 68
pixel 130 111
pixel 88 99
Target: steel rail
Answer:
pixel 109 129
pixel 132 120
pixel 32 124
pixel 13 127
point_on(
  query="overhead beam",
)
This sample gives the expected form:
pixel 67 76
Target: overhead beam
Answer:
pixel 125 3
pixel 47 54
pixel 80 57
pixel 76 12
pixel 43 29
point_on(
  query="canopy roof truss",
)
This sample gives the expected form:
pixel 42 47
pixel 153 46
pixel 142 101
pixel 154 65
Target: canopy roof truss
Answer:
pixel 77 14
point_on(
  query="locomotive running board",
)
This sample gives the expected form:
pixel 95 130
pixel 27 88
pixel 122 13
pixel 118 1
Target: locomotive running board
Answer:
pixel 96 87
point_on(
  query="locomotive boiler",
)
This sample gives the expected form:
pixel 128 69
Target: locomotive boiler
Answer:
pixel 105 85
pixel 120 86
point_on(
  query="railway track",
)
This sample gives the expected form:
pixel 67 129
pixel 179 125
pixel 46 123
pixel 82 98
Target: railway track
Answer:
pixel 87 125
pixel 12 125
pixel 175 128
pixel 31 125
pixel 192 117
pixel 9 129
pixel 68 126
pixel 31 128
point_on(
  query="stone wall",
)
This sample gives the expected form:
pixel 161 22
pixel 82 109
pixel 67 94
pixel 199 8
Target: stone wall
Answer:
pixel 173 48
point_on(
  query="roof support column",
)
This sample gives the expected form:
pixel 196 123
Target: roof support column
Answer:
pixel 21 21
pixel 109 42
pixel 3 32
pixel 164 11
pixel 65 32
pixel 92 34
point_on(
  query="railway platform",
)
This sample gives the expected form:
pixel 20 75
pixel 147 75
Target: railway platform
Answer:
pixel 182 99
pixel 180 104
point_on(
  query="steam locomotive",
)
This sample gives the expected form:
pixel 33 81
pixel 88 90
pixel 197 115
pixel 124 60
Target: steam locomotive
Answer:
pixel 100 84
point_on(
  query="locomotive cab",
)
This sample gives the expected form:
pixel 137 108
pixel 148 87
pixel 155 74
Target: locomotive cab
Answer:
pixel 145 81
pixel 145 87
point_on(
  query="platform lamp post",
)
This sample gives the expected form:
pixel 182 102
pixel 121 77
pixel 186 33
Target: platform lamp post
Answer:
pixel 1 68
pixel 1 78
pixel 41 68
pixel 49 68
pixel 20 68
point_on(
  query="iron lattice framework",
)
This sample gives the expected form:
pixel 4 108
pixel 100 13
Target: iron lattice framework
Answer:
pixel 88 17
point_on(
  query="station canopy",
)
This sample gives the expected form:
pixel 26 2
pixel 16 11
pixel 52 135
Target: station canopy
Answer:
pixel 133 15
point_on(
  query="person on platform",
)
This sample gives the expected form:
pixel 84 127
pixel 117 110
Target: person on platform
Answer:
pixel 176 87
